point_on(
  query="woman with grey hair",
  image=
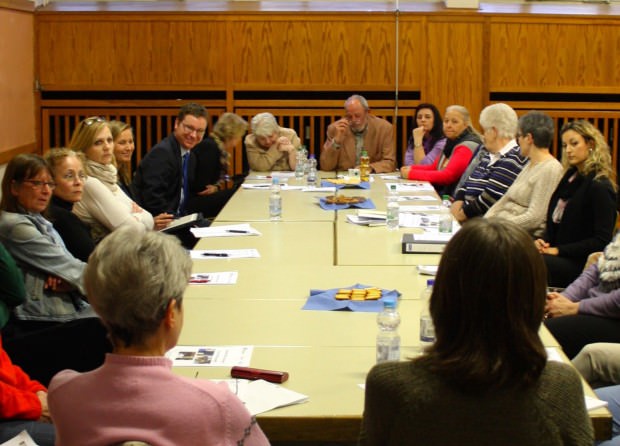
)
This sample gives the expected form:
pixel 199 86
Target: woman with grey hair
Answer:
pixel 136 281
pixel 526 201
pixel 269 146
pixel 498 167
pixel 461 143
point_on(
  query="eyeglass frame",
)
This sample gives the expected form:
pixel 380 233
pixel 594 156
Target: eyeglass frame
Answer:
pixel 38 184
pixel 190 129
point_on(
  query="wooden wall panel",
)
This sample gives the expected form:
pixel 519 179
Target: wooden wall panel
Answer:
pixel 455 64
pixel 317 53
pixel 412 53
pixel 563 56
pixel 17 97
pixel 108 54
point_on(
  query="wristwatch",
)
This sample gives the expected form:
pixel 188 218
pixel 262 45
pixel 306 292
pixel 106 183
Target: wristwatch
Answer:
pixel 335 145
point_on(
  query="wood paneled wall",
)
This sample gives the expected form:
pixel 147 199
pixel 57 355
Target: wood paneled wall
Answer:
pixel 313 55
pixel 17 98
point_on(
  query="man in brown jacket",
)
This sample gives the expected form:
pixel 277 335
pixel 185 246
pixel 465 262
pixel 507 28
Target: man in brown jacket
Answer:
pixel 357 131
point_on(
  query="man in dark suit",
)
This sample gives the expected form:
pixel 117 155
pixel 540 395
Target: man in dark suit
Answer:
pixel 161 180
pixel 159 177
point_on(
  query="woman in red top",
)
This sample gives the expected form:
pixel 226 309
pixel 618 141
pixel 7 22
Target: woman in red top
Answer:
pixel 23 401
pixel 462 142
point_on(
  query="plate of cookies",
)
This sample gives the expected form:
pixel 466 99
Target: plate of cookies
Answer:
pixel 336 202
pixel 354 298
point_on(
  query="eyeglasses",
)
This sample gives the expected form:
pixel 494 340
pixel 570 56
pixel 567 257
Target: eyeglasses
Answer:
pixel 72 176
pixel 190 129
pixel 38 184
pixel 91 121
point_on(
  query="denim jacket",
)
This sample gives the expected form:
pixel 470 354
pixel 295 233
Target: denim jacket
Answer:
pixel 39 251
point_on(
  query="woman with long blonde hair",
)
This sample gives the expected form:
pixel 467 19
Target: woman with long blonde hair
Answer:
pixel 581 216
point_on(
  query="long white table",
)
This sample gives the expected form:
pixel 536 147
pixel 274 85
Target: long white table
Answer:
pixel 327 353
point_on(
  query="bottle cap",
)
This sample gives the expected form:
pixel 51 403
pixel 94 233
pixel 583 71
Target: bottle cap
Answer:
pixel 312 156
pixel 445 197
pixel 389 303
pixel 430 282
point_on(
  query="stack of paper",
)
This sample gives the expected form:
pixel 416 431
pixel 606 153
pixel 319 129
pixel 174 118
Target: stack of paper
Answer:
pixel 261 396
pixel 368 218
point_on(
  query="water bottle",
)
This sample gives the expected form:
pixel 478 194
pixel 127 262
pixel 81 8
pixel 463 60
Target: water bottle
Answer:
pixel 364 166
pixel 392 213
pixel 301 164
pixel 275 200
pixel 388 339
pixel 427 329
pixel 312 174
pixel 445 216
pixel 304 157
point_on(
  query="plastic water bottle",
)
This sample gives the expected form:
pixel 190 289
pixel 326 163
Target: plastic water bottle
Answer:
pixel 445 216
pixel 364 166
pixel 275 200
pixel 304 157
pixel 312 174
pixel 393 208
pixel 301 163
pixel 427 329
pixel 388 339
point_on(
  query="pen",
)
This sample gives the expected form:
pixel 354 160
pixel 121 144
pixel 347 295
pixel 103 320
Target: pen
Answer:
pixel 199 281
pixel 237 231
pixel 215 254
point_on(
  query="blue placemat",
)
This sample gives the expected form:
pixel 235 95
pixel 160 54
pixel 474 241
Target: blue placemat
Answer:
pixel 361 185
pixel 368 204
pixel 326 300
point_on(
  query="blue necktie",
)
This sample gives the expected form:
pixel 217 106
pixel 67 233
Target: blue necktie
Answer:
pixel 185 191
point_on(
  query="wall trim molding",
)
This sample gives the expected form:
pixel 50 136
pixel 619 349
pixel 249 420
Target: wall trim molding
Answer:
pixel 18 5
pixel 8 154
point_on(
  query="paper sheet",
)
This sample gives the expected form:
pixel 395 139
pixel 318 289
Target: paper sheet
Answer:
pixel 222 278
pixel 261 396
pixel 21 439
pixel 225 231
pixel 418 186
pixel 200 356
pixel 212 254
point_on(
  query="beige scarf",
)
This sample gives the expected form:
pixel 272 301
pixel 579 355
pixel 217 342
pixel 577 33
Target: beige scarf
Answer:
pixel 106 173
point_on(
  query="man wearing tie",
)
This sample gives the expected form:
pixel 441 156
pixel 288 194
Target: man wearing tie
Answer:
pixel 161 178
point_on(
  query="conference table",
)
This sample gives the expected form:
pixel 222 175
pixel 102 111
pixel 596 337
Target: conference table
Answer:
pixel 326 353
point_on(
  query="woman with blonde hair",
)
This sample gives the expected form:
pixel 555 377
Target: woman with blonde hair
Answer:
pixel 104 206
pixel 582 211
pixel 69 175
pixel 124 146
pixel 208 173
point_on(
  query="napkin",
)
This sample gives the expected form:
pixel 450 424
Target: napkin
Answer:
pixel 360 185
pixel 326 300
pixel 367 204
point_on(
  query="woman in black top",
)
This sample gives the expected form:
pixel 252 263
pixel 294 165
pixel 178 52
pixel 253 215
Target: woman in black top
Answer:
pixel 582 211
pixel 67 167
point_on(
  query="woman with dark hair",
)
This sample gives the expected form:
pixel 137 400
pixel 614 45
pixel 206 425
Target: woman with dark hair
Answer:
pixel 427 139
pixel 461 144
pixel 55 327
pixel 581 216
pixel 488 362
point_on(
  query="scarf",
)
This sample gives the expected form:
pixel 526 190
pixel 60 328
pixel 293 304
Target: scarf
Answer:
pixel 106 173
pixel 609 267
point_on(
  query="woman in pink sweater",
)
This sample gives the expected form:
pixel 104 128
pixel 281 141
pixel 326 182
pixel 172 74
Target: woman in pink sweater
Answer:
pixel 135 282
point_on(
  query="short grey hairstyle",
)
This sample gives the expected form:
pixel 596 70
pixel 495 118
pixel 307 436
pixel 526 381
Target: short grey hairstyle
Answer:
pixel 130 279
pixel 461 111
pixel 264 124
pixel 540 126
pixel 356 97
pixel 502 117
